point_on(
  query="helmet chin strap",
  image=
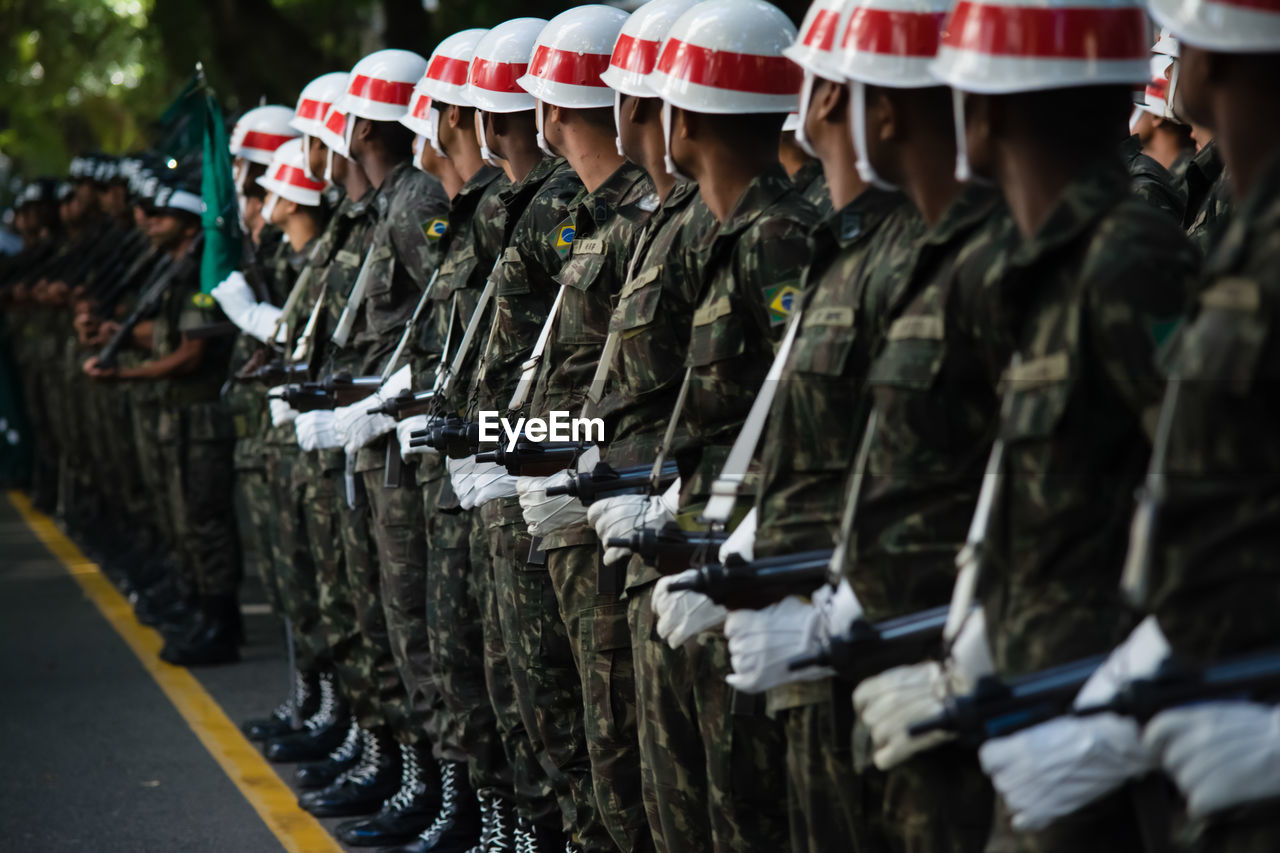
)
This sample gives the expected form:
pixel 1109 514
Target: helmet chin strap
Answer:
pixel 486 153
pixel 668 162
pixel 269 208
pixel 806 98
pixel 328 166
pixel 964 172
pixel 542 139
pixel 433 131
pixel 617 122
pixel 418 141
pixel 858 119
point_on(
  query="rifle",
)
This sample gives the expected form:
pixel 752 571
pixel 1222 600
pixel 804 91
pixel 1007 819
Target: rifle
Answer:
pixel 997 708
pixel 1253 676
pixel 669 549
pixel 604 481
pixel 533 458
pixel 1135 577
pixel 869 648
pixel 739 583
pixel 149 302
pixel 453 436
pixel 347 389
pixel 406 404
pixel 276 372
pixel 304 397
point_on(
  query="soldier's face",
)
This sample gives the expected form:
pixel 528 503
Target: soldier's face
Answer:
pixel 316 152
pixel 977 133
pixel 166 231
pixel 1193 95
pixel 638 126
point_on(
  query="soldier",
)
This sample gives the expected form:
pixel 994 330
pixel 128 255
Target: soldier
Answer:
pixel 195 434
pixel 1095 283
pixel 1165 137
pixel 722 125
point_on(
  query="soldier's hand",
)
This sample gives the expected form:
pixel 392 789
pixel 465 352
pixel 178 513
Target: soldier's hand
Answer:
pixel 93 370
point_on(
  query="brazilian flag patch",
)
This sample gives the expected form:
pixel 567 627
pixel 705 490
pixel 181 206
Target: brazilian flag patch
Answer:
pixel 203 300
pixel 564 239
pixel 780 299
pixel 435 228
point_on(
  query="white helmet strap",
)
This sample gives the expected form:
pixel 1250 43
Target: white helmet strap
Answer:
pixel 963 170
pixel 668 131
pixel 806 98
pixel 858 120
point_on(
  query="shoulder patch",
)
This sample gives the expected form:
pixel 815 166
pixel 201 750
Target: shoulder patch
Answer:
pixel 203 300
pixel 780 300
pixel 649 203
pixel 564 238
pixel 436 228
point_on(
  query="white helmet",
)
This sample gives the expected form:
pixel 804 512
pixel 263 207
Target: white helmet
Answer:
pixel 314 101
pixel 1155 98
pixel 571 53
pixel 333 133
pixel 502 58
pixel 381 84
pixel 996 48
pixel 891 42
pixel 636 50
pixel 816 48
pixel 286 177
pixel 260 131
pixel 418 116
pixel 446 77
pixel 1223 26
pixel 725 57
pixel 1166 44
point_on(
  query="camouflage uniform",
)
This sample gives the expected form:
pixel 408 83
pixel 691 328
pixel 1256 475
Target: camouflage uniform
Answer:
pixel 806 451
pixel 401 259
pixel 752 269
pixel 1090 297
pixel 1208 197
pixel 641 388
pixel 1215 540
pixel 455 631
pixel 536 238
pixel 1152 182
pixel 933 384
pixel 606 223
pixel 811 180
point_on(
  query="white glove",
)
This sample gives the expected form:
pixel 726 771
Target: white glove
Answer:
pixel 462 477
pixel 623 516
pixel 315 431
pixel 281 412
pixel 763 642
pixel 261 320
pixel 235 297
pixel 1048 771
pixel 889 703
pixel 356 426
pixel 1139 656
pixel 742 540
pixel 683 614
pixel 405 429
pixel 838 606
pixel 491 482
pixel 548 514
pixel 1221 754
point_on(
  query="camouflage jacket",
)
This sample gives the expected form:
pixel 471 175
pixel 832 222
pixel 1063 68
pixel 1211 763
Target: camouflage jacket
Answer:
pixel 752 272
pixel 606 224
pixel 338 266
pixel 1214 573
pixel 812 183
pixel 537 241
pixel 1090 297
pixel 1152 182
pixel 1208 197
pixel 858 255
pixel 652 316
pixel 933 386
pixel 183 308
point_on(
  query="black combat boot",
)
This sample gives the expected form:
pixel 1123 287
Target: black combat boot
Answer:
pixel 411 810
pixel 464 822
pixel 214 639
pixel 363 788
pixel 532 838
pixel 302 702
pixel 318 774
pixel 322 732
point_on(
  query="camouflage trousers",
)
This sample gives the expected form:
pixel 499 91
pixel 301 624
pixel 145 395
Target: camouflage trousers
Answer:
pixel 292 565
pixel 399 531
pixel 455 635
pixel 151 470
pixel 1251 828
pixel 197 455
pixel 600 641
pixel 255 506
pixel 939 801
pixel 318 481
pixel 495 550
pixel 1108 825
pixel 368 670
pixel 713 769
pixel 825 797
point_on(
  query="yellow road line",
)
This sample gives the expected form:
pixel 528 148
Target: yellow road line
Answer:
pixel 270 797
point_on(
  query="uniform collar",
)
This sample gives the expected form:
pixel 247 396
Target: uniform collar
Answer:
pixel 298 257
pixel 847 225
pixel 627 185
pixel 762 193
pixel 807 174
pixel 479 182
pixel 1096 190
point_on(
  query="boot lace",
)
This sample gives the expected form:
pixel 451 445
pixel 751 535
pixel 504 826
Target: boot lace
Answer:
pixel 448 805
pixel 410 780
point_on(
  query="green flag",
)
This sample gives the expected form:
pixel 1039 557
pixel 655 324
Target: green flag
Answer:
pixel 222 240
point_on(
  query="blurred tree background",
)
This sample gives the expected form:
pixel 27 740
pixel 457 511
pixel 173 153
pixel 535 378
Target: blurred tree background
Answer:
pixel 80 75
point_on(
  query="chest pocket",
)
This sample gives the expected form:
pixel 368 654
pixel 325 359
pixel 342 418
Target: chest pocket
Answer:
pixel 1226 342
pixel 825 341
pixel 455 272
pixel 511 278
pixel 638 304
pixel 717 333
pixel 585 313
pixel 912 355
pixel 383 299
pixel 1039 390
